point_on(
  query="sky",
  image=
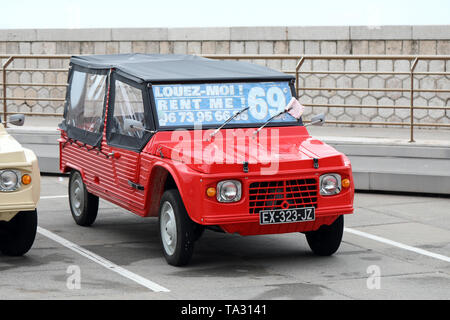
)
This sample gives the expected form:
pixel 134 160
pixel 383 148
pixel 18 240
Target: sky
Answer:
pixel 20 14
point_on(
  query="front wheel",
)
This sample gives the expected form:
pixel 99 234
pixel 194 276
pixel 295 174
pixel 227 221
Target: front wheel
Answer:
pixel 83 205
pixel 20 233
pixel 326 240
pixel 177 230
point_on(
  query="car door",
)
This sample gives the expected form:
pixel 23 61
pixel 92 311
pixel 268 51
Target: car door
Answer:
pixel 129 101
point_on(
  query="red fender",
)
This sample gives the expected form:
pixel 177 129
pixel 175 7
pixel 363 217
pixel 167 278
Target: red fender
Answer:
pixel 158 177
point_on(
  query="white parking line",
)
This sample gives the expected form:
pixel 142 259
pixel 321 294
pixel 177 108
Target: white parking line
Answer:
pixel 103 262
pixel 53 197
pixel 397 244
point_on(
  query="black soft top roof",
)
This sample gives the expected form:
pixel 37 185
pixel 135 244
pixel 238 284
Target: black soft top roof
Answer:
pixel 166 68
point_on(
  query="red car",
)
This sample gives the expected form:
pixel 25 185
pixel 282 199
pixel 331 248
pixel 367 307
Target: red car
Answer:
pixel 201 144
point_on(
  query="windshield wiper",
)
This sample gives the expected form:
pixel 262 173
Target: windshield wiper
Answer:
pixel 270 120
pixel 228 121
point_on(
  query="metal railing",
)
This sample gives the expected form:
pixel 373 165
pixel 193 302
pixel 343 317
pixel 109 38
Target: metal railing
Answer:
pixel 8 60
pixel 299 61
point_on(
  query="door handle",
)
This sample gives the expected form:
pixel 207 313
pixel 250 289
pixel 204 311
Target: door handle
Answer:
pixel 135 185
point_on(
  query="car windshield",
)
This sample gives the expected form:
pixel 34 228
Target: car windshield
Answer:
pixel 183 105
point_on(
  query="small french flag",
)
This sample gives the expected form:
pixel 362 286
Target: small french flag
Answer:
pixel 295 108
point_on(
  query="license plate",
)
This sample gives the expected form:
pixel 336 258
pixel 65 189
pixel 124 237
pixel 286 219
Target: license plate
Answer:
pixel 287 216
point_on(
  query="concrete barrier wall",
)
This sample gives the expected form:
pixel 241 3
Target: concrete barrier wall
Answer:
pixel 384 40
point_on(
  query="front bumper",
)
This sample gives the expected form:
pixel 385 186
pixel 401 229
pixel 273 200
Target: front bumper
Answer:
pixel 14 202
pixel 232 218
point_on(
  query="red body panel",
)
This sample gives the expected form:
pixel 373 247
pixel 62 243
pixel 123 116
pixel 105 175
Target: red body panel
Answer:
pixel 291 156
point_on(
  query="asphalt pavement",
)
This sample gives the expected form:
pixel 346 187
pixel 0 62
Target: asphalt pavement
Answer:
pixel 394 247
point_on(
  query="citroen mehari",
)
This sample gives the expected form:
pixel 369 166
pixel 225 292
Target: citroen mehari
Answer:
pixel 200 144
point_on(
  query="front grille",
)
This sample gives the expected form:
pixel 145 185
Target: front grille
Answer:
pixel 277 195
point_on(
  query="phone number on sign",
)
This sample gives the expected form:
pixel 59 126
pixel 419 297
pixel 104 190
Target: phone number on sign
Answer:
pixel 200 116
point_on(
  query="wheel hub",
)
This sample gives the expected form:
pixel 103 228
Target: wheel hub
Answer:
pixel 77 196
pixel 168 228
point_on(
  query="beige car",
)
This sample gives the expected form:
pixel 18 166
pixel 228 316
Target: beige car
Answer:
pixel 19 193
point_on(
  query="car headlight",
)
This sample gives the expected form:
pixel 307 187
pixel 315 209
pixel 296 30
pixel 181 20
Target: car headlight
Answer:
pixel 9 180
pixel 330 184
pixel 229 191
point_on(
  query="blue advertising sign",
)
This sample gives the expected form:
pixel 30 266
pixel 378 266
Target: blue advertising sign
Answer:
pixel 213 104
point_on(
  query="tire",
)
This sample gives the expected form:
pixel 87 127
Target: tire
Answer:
pixel 83 205
pixel 177 231
pixel 326 240
pixel 19 234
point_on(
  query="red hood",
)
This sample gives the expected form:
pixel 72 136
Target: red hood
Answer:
pixel 280 148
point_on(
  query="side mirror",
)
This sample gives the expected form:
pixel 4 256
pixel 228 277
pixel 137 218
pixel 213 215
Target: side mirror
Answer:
pixel 318 120
pixel 17 120
pixel 131 125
